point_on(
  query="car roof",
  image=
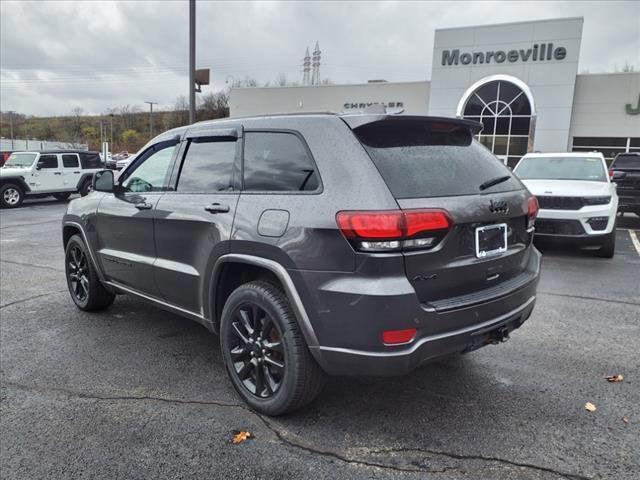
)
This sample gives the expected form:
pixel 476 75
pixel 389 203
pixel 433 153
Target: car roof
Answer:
pixel 54 151
pixel 354 120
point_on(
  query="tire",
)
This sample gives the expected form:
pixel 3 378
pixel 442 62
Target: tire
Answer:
pixel 11 195
pixel 248 357
pixel 608 248
pixel 86 187
pixel 62 197
pixel 82 278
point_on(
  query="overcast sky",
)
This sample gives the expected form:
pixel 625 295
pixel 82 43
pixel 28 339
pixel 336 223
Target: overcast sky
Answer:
pixel 99 54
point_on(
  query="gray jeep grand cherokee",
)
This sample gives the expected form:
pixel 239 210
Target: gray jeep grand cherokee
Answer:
pixel 314 244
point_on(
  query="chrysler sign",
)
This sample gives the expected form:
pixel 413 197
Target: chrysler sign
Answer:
pixel 537 53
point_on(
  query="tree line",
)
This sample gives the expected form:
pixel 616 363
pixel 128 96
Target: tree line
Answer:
pixel 126 127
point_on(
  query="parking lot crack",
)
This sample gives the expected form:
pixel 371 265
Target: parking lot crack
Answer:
pixel 458 456
pixel 282 436
pixel 24 264
pixel 583 297
pixel 265 421
pixel 22 300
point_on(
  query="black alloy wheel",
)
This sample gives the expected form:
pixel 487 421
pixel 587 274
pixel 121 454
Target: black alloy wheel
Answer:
pixel 256 350
pixel 86 290
pixel 264 350
pixel 78 273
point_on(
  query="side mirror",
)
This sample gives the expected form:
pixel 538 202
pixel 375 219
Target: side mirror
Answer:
pixel 103 181
pixel 39 164
pixel 617 175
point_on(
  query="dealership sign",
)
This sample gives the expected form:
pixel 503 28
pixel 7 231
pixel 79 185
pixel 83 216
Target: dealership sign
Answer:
pixel 362 105
pixel 537 53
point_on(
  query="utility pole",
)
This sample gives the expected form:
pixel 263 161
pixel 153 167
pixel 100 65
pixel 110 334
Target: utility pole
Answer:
pixel 11 112
pixel 192 61
pixel 111 136
pixel 151 104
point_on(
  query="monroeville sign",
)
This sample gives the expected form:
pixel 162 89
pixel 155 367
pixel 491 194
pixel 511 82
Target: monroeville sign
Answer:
pixel 537 53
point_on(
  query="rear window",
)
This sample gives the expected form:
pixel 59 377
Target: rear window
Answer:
pixel 278 162
pixel 561 168
pixel 416 160
pixel 90 160
pixel 627 161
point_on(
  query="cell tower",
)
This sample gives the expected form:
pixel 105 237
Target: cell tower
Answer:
pixel 315 75
pixel 306 67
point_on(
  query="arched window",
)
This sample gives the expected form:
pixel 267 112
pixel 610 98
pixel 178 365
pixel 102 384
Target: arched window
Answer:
pixel 505 111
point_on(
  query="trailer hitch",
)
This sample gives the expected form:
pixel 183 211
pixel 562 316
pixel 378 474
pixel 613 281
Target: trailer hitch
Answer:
pixel 499 335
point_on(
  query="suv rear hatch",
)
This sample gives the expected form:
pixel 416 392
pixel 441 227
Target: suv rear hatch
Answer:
pixel 436 164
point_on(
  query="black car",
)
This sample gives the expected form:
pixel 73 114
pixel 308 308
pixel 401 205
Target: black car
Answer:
pixel 626 168
pixel 314 244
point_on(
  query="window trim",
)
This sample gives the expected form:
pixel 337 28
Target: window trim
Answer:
pixel 317 191
pixel 140 159
pixel 174 180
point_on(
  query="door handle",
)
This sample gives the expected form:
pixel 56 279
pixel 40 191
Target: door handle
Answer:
pixel 143 206
pixel 57 173
pixel 217 208
pixel 76 172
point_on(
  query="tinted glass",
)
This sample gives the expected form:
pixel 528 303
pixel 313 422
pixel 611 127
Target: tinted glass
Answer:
pixel 416 161
pixel 70 161
pixel 208 166
pixel 48 161
pixel 150 175
pixel 562 168
pixel 91 160
pixel 627 161
pixel 275 161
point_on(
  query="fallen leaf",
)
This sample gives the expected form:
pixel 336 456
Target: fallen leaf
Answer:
pixel 625 419
pixel 614 378
pixel 240 437
pixel 590 406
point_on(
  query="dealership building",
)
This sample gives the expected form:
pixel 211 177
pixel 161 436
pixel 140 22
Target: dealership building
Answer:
pixel 520 80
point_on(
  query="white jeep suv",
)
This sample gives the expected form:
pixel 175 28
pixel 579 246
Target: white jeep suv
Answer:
pixel 58 173
pixel 578 201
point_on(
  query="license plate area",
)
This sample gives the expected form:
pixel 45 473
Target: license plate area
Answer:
pixel 491 240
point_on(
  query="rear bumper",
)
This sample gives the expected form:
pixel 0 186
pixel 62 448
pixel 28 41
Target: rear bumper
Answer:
pixel 354 313
pixel 344 361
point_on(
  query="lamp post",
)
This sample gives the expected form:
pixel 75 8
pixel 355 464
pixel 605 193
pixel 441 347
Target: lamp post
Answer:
pixel 151 104
pixel 192 61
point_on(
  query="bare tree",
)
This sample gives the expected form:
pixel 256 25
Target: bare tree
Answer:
pixel 73 124
pixel 213 105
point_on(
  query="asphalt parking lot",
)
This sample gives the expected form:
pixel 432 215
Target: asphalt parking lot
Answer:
pixel 136 392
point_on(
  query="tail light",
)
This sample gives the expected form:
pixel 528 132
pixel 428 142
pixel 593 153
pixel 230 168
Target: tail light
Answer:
pixel 532 210
pixel 394 230
pixel 610 174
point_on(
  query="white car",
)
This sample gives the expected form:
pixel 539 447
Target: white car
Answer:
pixel 578 201
pixel 58 173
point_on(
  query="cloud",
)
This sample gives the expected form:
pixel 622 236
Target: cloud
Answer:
pixel 98 54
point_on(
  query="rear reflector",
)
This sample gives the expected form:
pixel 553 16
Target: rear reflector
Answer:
pixel 395 337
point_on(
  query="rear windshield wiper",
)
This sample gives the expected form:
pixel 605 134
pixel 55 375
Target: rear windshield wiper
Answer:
pixel 494 181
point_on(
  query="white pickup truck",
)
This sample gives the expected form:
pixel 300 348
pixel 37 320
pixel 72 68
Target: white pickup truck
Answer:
pixel 59 173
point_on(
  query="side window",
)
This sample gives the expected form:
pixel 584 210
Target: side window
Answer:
pixel 70 161
pixel 208 166
pixel 278 161
pixel 91 160
pixel 150 175
pixel 48 161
